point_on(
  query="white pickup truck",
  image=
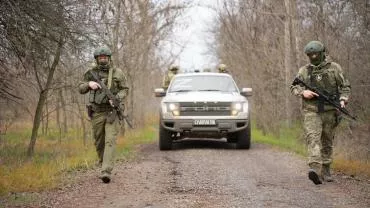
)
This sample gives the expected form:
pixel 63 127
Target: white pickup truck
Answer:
pixel 204 105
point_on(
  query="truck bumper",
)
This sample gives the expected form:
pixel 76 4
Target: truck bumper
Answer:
pixel 188 126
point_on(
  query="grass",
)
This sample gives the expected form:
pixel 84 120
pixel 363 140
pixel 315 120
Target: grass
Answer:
pixel 287 139
pixel 352 167
pixel 54 158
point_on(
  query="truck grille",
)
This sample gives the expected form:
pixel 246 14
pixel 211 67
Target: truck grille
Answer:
pixel 205 109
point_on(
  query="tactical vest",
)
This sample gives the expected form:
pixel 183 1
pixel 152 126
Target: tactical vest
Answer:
pixel 98 97
pixel 323 78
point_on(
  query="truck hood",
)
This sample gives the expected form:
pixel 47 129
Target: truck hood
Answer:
pixel 204 97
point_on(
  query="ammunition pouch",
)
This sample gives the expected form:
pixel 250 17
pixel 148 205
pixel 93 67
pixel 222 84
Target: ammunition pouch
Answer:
pixel 98 97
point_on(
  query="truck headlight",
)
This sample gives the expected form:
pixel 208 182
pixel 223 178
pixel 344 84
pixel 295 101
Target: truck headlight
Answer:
pixel 174 108
pixel 238 108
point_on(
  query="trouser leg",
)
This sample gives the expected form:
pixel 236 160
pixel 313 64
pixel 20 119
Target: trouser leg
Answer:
pixel 98 126
pixel 329 124
pixel 313 133
pixel 111 132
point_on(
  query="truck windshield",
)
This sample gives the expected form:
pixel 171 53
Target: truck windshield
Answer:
pixel 203 83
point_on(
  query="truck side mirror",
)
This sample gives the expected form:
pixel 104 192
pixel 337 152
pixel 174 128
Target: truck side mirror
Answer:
pixel 246 92
pixel 159 92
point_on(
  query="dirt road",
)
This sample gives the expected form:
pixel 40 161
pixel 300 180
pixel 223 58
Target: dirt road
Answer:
pixel 210 174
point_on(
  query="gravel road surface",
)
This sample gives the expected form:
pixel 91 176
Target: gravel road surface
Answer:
pixel 209 174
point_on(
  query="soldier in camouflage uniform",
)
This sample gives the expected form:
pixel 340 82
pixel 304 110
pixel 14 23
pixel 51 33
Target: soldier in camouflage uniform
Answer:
pixel 320 121
pixel 172 71
pixel 104 120
pixel 222 68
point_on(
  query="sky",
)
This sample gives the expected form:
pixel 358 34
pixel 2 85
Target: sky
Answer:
pixel 198 20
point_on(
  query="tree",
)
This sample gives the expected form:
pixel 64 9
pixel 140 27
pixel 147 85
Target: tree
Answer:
pixel 37 39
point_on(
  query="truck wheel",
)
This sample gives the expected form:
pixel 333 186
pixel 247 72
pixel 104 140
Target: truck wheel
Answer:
pixel 165 140
pixel 244 138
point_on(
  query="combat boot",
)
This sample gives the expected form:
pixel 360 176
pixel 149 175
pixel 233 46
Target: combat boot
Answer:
pixel 313 173
pixel 326 173
pixel 105 177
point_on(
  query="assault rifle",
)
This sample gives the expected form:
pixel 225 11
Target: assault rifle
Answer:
pixel 115 102
pixel 324 96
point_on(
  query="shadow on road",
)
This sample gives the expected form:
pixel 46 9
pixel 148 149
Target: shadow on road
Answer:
pixel 202 144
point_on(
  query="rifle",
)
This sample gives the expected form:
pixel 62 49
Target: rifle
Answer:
pixel 324 97
pixel 116 103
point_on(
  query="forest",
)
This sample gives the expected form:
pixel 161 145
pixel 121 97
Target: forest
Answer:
pixel 47 45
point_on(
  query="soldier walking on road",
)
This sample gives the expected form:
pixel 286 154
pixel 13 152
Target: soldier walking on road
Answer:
pixel 320 119
pixel 172 71
pixel 104 119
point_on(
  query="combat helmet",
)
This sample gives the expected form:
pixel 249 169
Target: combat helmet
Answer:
pixel 174 68
pixel 222 68
pixel 104 50
pixel 314 47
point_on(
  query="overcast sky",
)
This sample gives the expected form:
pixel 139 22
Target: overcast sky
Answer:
pixel 199 20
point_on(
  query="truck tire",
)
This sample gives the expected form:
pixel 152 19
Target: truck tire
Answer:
pixel 244 138
pixel 165 140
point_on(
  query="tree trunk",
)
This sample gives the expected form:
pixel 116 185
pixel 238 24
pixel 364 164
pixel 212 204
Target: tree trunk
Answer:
pixel 42 99
pixel 287 57
pixel 42 124
pixel 46 118
pixel 64 107
pixel 116 32
pixel 59 100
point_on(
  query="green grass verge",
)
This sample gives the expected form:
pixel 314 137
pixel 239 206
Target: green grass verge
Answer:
pixel 53 158
pixel 288 139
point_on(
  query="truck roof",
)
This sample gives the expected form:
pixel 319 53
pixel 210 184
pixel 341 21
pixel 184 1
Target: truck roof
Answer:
pixel 191 74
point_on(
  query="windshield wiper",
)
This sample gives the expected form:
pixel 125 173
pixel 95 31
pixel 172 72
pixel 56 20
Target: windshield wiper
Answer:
pixel 210 90
pixel 181 91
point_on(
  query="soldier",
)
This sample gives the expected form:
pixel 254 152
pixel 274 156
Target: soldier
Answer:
pixel 104 120
pixel 320 119
pixel 222 68
pixel 172 71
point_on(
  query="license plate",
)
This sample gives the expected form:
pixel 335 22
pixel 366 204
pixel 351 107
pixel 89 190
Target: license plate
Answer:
pixel 204 122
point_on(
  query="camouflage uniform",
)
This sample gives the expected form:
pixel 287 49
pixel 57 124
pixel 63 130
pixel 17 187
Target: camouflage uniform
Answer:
pixel 173 70
pixel 104 122
pixel 319 125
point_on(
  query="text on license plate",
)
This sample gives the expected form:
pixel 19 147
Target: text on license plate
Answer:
pixel 204 122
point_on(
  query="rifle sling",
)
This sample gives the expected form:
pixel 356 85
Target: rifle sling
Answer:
pixel 110 77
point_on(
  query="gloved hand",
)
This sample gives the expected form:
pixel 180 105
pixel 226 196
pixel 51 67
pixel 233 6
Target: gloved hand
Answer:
pixel 94 85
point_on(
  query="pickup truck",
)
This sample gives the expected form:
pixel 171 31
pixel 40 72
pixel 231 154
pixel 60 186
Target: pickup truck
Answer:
pixel 204 105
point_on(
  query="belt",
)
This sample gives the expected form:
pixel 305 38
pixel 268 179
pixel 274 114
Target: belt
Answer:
pixel 101 108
